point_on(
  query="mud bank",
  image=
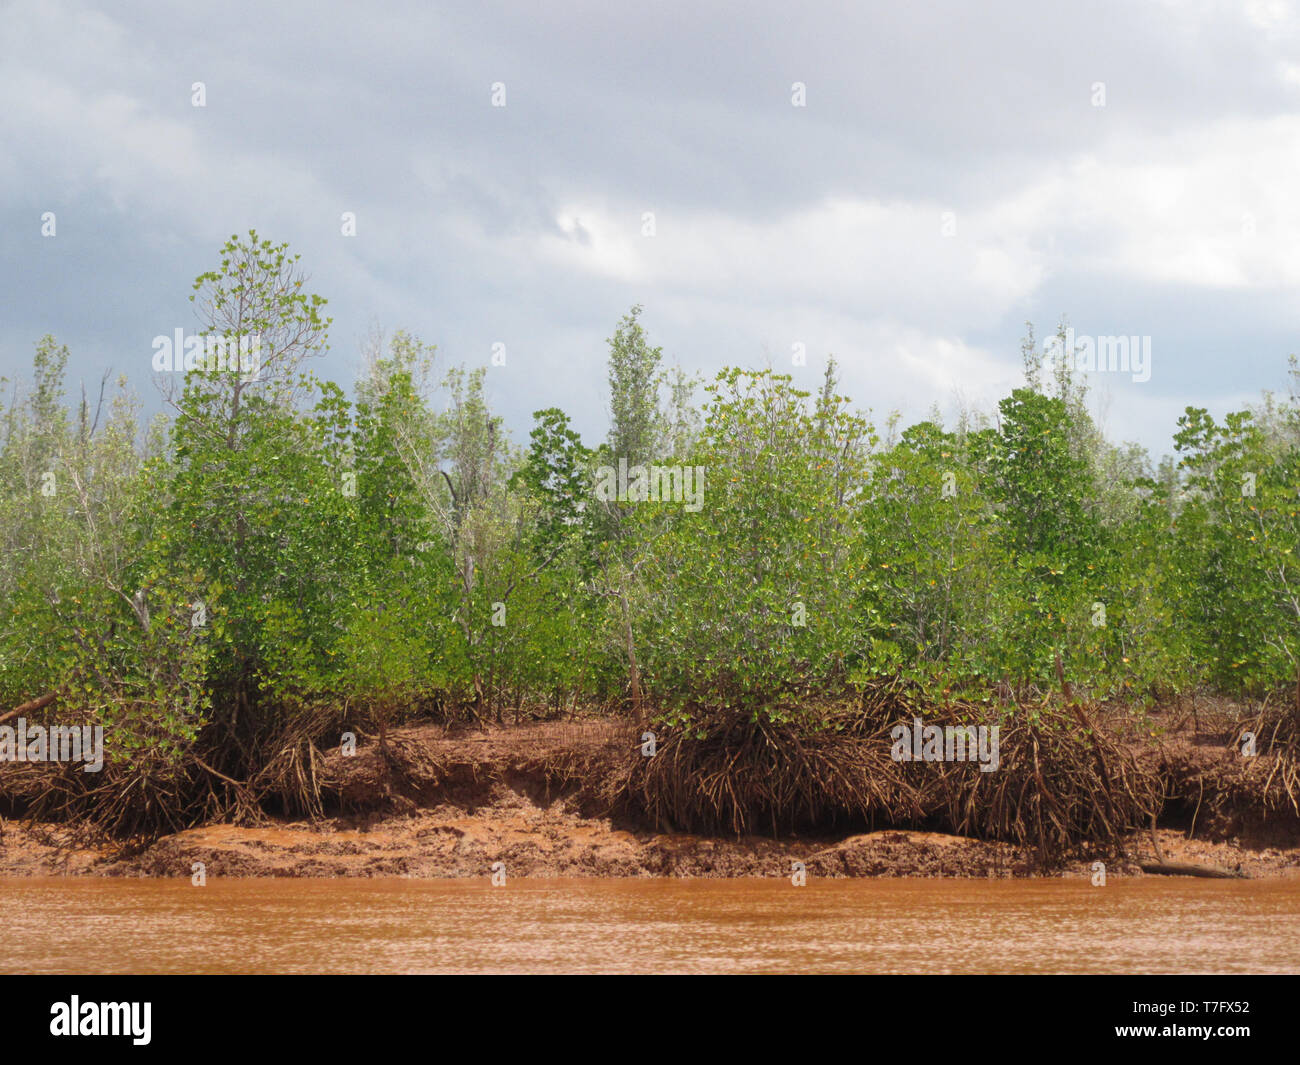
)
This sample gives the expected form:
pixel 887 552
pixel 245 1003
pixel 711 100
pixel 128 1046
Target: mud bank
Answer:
pixel 545 801
pixel 535 841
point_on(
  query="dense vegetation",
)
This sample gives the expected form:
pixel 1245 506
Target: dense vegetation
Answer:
pixel 275 561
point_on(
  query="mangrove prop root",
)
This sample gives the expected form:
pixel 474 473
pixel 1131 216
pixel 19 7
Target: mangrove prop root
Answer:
pixel 1064 787
pixel 29 707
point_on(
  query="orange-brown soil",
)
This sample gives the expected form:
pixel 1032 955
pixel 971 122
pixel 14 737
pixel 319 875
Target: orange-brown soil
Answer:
pixel 542 799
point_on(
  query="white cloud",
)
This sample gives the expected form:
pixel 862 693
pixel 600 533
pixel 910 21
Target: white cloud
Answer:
pixel 771 225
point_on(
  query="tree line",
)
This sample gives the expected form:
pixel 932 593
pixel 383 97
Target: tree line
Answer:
pixel 273 549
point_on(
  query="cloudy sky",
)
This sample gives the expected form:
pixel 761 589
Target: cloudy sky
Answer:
pixel 955 170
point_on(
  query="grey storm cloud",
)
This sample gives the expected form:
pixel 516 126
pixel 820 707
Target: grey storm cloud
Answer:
pixel 950 177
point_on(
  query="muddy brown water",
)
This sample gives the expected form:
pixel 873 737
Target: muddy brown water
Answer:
pixel 731 926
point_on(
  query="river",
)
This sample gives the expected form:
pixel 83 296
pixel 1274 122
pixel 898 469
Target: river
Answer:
pixel 1153 925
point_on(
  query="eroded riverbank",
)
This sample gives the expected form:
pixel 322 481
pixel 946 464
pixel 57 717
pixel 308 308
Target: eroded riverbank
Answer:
pixel 538 799
pixel 549 801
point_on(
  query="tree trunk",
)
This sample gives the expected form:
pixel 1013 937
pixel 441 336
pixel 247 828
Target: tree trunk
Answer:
pixel 480 700
pixel 634 674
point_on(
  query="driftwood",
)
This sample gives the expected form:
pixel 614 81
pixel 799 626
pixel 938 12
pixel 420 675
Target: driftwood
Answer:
pixel 1214 872
pixel 29 707
pixel 1162 867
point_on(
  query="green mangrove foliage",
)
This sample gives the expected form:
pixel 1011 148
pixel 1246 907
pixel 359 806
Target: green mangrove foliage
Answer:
pixel 275 559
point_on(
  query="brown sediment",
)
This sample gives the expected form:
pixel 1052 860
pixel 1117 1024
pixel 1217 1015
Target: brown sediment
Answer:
pixel 559 800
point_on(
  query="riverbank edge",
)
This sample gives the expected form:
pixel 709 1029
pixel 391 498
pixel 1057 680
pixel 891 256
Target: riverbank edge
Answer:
pixel 540 801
